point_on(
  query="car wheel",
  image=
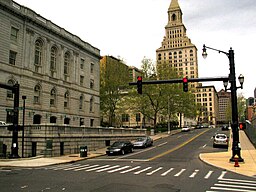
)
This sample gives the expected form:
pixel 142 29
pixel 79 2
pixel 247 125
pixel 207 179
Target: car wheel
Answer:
pixel 122 152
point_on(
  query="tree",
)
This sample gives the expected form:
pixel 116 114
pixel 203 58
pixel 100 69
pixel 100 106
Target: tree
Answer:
pixel 114 78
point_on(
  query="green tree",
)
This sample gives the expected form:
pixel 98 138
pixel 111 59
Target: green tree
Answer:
pixel 114 78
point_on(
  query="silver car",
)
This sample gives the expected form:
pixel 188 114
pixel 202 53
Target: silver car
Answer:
pixel 143 142
pixel 221 140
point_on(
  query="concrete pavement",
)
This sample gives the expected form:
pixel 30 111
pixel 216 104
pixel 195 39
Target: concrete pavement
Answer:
pixel 219 159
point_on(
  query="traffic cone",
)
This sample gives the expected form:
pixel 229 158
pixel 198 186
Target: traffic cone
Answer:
pixel 236 163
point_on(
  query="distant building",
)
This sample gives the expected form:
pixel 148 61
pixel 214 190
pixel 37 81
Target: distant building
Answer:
pixel 57 71
pixel 208 97
pixel 224 103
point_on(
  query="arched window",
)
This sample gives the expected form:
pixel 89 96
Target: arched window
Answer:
pixel 53 61
pixel 66 99
pixel 66 65
pixel 66 121
pixel 38 55
pixel 9 92
pixel 81 102
pixel 37 94
pixel 53 97
pixel 91 104
pixel 174 17
pixel 53 119
pixel 37 119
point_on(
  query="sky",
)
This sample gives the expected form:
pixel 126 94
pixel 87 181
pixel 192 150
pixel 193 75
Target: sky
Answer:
pixel 134 29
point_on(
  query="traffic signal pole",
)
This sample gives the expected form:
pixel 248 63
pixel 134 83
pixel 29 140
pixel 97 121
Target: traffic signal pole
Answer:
pixel 16 91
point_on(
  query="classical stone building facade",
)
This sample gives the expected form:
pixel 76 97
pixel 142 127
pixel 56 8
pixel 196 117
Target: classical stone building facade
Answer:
pixel 224 103
pixel 57 71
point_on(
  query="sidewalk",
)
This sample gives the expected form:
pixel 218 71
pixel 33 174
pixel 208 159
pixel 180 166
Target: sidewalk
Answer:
pixel 219 159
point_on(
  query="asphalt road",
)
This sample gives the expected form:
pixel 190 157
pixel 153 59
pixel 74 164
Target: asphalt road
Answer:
pixel 171 164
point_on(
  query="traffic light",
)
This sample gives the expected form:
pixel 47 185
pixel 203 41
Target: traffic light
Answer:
pixel 185 84
pixel 242 126
pixel 139 84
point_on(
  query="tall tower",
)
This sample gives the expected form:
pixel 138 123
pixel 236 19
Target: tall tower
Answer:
pixel 177 52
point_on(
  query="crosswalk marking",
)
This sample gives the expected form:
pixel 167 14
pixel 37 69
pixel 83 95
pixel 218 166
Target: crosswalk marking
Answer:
pixel 179 173
pixel 96 168
pixel 229 189
pixel 119 169
pixel 152 172
pixel 74 167
pixel 208 175
pixel 129 170
pixel 240 186
pixel 194 174
pixel 58 167
pixel 240 183
pixel 108 168
pixel 85 167
pixel 166 172
pixel 143 170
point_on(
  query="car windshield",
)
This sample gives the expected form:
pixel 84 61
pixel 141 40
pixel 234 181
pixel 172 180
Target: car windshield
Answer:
pixel 117 144
pixel 220 136
pixel 141 139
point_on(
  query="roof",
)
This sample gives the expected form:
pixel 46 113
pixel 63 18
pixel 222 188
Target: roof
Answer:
pixel 174 5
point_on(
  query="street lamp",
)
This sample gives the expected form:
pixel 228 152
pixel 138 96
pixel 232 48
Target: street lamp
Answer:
pixel 23 122
pixel 236 150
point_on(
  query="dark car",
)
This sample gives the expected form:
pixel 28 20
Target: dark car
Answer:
pixel 120 147
pixel 224 128
pixel 143 142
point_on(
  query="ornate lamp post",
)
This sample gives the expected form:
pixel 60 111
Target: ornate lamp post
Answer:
pixel 236 150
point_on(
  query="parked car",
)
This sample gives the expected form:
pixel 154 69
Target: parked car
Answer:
pixel 185 129
pixel 143 142
pixel 220 140
pixel 199 126
pixel 2 123
pixel 120 147
pixel 224 128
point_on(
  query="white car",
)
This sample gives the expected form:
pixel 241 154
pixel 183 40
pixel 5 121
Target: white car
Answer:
pixel 185 129
pixel 221 140
pixel 2 123
pixel 143 142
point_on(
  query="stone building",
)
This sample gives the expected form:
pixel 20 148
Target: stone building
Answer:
pixel 57 71
pixel 224 103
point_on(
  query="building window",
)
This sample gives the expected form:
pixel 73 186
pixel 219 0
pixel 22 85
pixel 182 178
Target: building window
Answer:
pixel 53 61
pixel 82 64
pixel 53 119
pixel 91 104
pixel 125 118
pixel 38 55
pixel 14 34
pixel 81 80
pixel 53 98
pixel 37 94
pixel 138 117
pixel 81 121
pixel 92 68
pixel 9 92
pixel 81 101
pixel 66 65
pixel 66 121
pixel 66 100
pixel 12 57
pixel 91 83
pixel 91 122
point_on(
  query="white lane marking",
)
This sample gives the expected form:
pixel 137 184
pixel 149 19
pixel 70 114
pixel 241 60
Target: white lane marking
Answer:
pixel 119 169
pixel 75 167
pixel 238 180
pixel 96 168
pixel 131 154
pixel 129 170
pixel 60 167
pixel 204 145
pixel 228 189
pixel 178 174
pixel 222 175
pixel 108 168
pixel 152 172
pixel 208 175
pixel 237 186
pixel 86 167
pixel 168 171
pixel 161 144
pixel 238 183
pixel 143 170
pixel 194 174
